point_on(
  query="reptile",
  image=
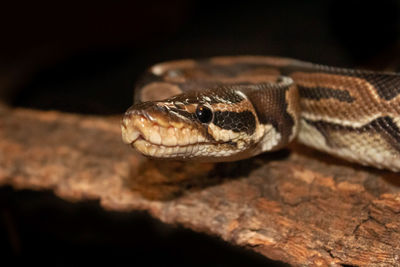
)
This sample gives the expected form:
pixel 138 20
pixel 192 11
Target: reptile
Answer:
pixel 232 108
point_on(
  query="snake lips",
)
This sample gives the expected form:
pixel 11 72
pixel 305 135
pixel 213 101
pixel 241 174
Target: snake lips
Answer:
pixel 154 134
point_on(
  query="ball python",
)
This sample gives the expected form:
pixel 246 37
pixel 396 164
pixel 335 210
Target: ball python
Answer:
pixel 232 108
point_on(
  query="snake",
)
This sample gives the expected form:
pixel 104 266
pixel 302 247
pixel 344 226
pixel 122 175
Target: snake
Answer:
pixel 235 107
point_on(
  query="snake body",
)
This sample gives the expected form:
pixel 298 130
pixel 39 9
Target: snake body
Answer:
pixel 231 108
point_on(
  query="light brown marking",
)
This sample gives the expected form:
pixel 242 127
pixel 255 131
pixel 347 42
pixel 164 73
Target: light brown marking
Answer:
pixel 238 107
pixel 293 108
pixel 191 108
pixel 262 71
pixel 163 67
pixel 274 61
pixel 159 90
pixel 261 75
pixel 252 79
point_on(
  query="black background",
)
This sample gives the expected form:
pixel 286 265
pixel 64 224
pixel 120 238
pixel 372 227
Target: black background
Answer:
pixel 84 57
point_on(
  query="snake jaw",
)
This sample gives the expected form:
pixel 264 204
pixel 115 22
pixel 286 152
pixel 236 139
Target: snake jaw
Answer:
pixel 156 135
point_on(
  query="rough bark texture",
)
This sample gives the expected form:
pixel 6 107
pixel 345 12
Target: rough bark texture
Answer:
pixel 298 206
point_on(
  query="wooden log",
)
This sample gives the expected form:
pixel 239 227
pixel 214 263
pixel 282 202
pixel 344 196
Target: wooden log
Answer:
pixel 298 206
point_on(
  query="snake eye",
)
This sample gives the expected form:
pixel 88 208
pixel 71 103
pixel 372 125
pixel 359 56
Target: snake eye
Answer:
pixel 204 114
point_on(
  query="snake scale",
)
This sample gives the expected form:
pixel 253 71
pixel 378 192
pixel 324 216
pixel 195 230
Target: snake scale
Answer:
pixel 232 108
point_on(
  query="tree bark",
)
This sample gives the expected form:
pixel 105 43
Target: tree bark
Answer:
pixel 298 206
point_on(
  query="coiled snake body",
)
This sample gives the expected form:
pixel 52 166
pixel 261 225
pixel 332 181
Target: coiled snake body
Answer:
pixel 231 108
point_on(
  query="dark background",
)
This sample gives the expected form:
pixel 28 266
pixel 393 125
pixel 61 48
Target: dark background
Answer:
pixel 84 57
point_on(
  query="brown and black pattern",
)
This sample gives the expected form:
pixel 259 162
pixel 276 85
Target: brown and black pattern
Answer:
pixel 271 106
pixel 318 93
pixel 354 114
pixel 384 126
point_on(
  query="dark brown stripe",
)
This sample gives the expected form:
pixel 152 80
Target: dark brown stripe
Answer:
pixel 181 112
pixel 389 130
pixel 269 102
pixel 387 85
pixel 318 93
pixel 235 121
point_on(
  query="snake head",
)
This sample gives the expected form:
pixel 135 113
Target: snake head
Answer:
pixel 212 125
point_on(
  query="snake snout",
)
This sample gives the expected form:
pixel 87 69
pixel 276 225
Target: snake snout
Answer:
pixel 129 133
pixel 155 131
pixel 149 122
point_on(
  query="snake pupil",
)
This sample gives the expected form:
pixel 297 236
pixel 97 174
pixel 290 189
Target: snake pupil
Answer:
pixel 204 114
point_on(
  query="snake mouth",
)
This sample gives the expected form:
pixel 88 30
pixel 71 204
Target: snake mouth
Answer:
pixel 156 136
pixel 155 131
pixel 160 151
